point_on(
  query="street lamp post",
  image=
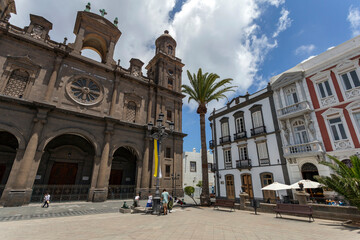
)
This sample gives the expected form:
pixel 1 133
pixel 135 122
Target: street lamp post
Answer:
pixel 158 132
pixel 174 177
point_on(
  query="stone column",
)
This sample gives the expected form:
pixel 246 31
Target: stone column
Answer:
pixel 19 193
pixel 100 193
pixel 299 90
pixel 145 178
pixel 110 53
pixel 150 105
pixel 79 40
pixel 291 135
pixel 243 198
pixel 52 81
pixel 114 96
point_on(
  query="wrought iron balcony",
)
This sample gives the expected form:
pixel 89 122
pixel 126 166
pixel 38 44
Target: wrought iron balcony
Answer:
pixel 294 110
pixel 304 149
pixel 243 164
pixel 225 139
pixel 258 130
pixel 228 165
pixel 239 135
pixel 211 144
pixel 213 168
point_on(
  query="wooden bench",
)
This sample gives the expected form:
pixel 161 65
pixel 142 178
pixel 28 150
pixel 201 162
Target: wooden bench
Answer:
pixel 225 203
pixel 295 209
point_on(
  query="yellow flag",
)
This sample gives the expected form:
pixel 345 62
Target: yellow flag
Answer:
pixel 156 158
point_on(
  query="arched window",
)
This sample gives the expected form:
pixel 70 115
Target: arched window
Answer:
pixel 170 50
pixel 291 96
pixel 308 171
pixel 300 133
pixel 16 85
pixel 131 111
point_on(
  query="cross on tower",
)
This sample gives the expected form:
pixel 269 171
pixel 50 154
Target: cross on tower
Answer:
pixel 103 12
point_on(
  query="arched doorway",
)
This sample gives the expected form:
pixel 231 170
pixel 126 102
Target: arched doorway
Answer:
pixel 347 162
pixel 308 171
pixel 122 178
pixel 267 179
pixel 65 169
pixel 8 148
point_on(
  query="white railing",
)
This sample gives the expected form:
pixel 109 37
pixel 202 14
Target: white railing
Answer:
pixel 351 93
pixel 303 149
pixel 342 144
pixel 297 107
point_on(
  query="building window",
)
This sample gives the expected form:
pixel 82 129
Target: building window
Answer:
pixel 192 166
pixel 131 111
pixel 300 133
pixel 170 50
pixel 350 80
pixel 239 125
pixel 227 158
pixel 243 153
pixel 337 129
pixel 170 83
pixel 168 152
pixel 324 89
pixel 263 153
pixel 225 129
pixel 291 96
pixel 169 115
pixel 357 119
pixel 257 119
pixel 167 170
pixel 16 85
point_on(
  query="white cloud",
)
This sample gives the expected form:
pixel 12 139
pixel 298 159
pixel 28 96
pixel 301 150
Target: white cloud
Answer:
pixel 284 22
pixel 308 58
pixel 219 36
pixel 354 19
pixel 305 49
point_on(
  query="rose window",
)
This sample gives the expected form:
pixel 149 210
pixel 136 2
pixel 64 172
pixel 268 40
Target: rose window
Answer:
pixel 85 91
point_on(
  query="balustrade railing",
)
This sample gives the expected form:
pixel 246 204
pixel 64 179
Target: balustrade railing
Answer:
pixel 121 191
pixel 228 165
pixel 225 139
pixel 264 162
pixel 60 193
pixel 243 164
pixel 294 108
pixel 303 148
pixel 258 130
pixel 239 135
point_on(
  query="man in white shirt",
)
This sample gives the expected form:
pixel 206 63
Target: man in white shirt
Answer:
pixel 46 200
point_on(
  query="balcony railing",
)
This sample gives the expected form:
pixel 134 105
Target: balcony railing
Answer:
pixel 211 144
pixel 258 130
pixel 225 139
pixel 239 135
pixel 304 149
pixel 264 162
pixel 295 108
pixel 228 165
pixel 243 164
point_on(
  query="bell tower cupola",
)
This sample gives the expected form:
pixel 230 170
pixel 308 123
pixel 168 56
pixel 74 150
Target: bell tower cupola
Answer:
pixel 97 33
pixel 165 68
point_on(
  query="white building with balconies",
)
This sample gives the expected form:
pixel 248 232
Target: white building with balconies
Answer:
pixel 247 146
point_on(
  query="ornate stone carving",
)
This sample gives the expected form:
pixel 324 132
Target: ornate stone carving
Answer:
pixel 84 91
pixel 342 144
pixel 328 101
pixel 37 31
pixel 135 71
pixel 351 93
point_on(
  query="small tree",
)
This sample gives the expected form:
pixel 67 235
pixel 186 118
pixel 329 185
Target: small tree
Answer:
pixel 345 181
pixel 189 190
pixel 199 184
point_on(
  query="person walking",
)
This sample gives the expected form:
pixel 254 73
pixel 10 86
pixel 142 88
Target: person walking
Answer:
pixel 165 200
pixel 46 200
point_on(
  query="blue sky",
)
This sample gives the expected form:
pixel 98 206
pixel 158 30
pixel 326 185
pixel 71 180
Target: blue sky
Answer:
pixel 316 24
pixel 247 40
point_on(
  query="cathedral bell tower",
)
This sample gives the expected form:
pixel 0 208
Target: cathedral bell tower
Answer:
pixel 165 68
pixel 97 33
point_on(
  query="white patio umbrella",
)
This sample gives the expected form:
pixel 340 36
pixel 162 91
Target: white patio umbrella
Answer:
pixel 275 186
pixel 307 184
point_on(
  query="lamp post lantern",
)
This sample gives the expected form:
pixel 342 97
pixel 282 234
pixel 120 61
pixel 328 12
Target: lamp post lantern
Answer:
pixel 159 133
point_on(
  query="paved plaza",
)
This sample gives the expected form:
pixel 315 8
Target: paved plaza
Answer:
pixel 182 223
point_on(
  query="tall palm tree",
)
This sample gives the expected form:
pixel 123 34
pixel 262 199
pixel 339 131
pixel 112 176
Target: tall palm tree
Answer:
pixel 204 89
pixel 345 180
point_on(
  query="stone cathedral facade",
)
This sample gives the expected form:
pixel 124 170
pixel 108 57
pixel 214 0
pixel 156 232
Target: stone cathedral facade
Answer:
pixel 78 127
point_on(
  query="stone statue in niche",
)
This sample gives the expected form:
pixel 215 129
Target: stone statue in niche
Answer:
pixel 285 131
pixel 135 71
pixel 310 124
pixel 37 31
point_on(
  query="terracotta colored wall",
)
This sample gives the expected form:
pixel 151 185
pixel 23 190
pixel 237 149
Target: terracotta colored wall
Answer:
pixel 324 133
pixel 336 86
pixel 312 92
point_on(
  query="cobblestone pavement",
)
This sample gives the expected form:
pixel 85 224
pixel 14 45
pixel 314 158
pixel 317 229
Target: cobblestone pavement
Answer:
pixel 186 223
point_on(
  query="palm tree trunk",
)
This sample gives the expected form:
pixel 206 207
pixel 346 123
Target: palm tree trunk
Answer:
pixel 204 198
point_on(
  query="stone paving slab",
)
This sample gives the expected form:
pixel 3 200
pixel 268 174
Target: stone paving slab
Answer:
pixel 187 223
